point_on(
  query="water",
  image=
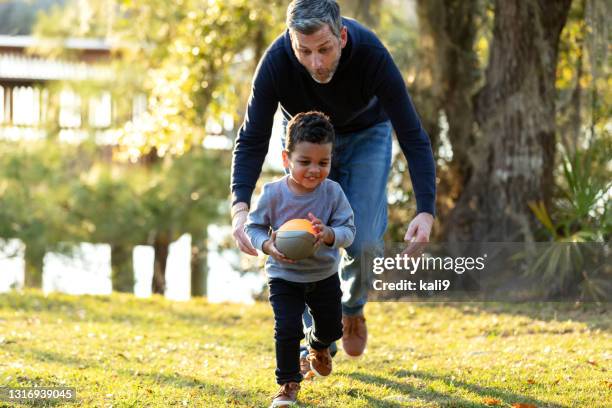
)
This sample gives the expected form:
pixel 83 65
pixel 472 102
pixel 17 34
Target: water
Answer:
pixel 89 271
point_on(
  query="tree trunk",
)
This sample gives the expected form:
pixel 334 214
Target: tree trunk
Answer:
pixel 451 28
pixel 570 111
pixel 516 114
pixel 33 268
pixel 161 245
pixel 366 12
pixel 122 275
pixel 199 268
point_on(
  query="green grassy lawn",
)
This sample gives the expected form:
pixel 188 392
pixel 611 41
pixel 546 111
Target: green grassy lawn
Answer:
pixel 122 351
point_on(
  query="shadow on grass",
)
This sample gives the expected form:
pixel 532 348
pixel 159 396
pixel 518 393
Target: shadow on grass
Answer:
pixel 48 356
pixel 407 393
pixel 241 396
pixel 230 395
pixel 428 395
pixel 122 308
pixel 595 316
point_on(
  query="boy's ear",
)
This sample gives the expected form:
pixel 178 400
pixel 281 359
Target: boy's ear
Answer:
pixel 285 159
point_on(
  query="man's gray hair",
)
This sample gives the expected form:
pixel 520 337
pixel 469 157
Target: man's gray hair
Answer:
pixel 308 16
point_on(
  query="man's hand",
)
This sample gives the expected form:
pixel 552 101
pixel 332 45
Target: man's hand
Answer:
pixel 239 218
pixel 269 247
pixel 418 233
pixel 323 233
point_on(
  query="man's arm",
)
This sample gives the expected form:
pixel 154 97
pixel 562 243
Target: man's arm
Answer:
pixel 250 150
pixel 415 144
pixel 412 138
pixel 254 135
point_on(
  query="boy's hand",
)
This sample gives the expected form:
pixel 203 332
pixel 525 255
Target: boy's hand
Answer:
pixel 269 247
pixel 323 233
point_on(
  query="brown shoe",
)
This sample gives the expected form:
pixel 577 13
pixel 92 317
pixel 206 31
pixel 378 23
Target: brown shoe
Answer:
pixel 320 362
pixel 286 395
pixel 354 335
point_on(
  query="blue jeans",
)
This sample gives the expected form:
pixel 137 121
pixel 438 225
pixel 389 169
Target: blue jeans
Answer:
pixel 361 162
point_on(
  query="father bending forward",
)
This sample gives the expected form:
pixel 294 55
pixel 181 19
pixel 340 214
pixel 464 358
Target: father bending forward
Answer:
pixel 332 64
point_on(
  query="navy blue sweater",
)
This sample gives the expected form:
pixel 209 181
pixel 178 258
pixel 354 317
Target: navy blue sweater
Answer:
pixel 366 89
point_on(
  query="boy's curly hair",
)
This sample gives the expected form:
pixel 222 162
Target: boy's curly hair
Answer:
pixel 313 127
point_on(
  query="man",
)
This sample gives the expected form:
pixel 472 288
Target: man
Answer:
pixel 335 65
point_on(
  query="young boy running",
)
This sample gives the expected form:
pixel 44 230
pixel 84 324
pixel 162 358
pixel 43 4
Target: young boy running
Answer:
pixel 304 193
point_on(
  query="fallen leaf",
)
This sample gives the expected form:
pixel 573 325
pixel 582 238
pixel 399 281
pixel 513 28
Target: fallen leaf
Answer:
pixel 556 381
pixel 531 381
pixel 592 362
pixel 492 401
pixel 522 405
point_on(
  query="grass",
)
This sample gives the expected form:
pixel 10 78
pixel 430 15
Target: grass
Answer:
pixel 121 351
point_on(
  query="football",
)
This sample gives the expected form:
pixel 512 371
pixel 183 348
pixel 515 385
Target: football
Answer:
pixel 296 238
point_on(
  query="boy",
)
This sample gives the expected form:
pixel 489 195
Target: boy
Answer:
pixel 313 281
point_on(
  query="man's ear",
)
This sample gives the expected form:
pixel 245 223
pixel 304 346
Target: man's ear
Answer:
pixel 285 159
pixel 343 36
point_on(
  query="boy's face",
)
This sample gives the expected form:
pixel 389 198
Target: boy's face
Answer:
pixel 308 164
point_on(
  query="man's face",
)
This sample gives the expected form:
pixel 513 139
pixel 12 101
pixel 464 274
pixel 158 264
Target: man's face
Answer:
pixel 319 52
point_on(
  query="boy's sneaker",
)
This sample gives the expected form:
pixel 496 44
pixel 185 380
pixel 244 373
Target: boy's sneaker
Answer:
pixel 286 395
pixel 320 362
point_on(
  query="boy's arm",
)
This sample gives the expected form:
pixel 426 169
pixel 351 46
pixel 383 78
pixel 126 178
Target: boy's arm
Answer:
pixel 258 223
pixel 342 222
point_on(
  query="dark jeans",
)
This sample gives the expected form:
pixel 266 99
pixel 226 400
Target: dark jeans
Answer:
pixel 288 300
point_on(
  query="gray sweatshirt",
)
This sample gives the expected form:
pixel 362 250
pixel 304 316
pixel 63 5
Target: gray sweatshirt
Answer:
pixel 278 204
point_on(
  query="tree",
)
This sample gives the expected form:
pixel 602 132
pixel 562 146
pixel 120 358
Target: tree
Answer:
pixel 189 58
pixel 183 195
pixel 452 27
pixel 107 209
pixel 515 112
pixel 189 71
pixel 35 200
pixel 365 11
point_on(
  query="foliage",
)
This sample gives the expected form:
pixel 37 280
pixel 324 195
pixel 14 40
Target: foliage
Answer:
pixel 107 205
pixel 193 58
pixel 582 207
pixel 54 194
pixel 582 212
pixel 17 17
pixel 180 194
pixel 583 76
pixel 35 184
